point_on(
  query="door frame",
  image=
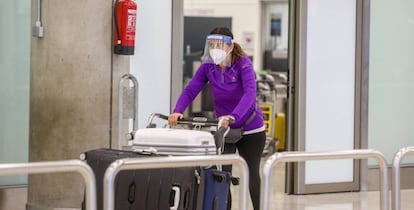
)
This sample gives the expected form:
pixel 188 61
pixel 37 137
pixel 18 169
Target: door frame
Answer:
pixel 295 173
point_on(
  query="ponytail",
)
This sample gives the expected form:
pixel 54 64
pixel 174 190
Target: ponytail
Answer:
pixel 237 52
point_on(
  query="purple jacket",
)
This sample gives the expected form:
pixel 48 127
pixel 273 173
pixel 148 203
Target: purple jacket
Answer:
pixel 233 92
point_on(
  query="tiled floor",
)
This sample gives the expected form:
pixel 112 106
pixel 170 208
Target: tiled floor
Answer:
pixel 13 198
pixel 329 201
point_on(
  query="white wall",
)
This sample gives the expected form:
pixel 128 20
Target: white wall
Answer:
pixel 391 78
pixel 151 63
pixel 14 85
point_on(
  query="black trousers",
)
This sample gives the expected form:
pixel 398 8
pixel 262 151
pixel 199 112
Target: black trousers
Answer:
pixel 250 148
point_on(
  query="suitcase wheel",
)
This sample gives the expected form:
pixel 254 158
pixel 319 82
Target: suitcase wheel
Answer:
pixel 235 180
pixel 82 156
pixel 219 177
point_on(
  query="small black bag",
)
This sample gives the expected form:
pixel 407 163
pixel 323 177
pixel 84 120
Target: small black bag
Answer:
pixel 235 134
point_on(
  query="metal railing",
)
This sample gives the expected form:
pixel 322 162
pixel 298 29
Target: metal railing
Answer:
pixel 57 167
pixel 328 155
pixel 396 191
pixel 173 162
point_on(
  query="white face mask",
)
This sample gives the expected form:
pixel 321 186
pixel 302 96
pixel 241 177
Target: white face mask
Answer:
pixel 218 55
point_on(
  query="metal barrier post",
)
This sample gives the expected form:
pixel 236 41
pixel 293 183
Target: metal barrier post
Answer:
pixel 172 162
pixel 124 78
pixel 328 155
pixel 57 167
pixel 396 191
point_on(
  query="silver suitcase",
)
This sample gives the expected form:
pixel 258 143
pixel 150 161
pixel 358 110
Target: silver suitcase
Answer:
pixel 170 141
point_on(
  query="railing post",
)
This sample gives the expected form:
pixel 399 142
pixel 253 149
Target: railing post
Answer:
pixel 396 191
pixel 328 155
pixel 173 162
pixel 57 167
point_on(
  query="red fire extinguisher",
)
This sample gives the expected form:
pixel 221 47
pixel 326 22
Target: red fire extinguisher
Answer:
pixel 125 16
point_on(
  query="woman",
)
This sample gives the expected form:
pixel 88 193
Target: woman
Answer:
pixel 233 87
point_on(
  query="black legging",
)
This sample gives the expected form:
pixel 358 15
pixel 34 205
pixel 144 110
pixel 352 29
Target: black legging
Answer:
pixel 250 147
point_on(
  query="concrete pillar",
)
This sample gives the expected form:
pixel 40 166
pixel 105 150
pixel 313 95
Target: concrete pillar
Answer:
pixel 73 94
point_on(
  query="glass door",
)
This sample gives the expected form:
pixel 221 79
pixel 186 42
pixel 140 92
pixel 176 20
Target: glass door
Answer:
pixel 14 85
pixel 325 96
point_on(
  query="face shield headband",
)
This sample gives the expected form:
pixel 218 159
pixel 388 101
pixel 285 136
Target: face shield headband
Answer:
pixel 217 49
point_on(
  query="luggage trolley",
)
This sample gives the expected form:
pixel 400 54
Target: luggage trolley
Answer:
pixel 216 182
pixel 271 96
pixel 266 98
pixel 174 188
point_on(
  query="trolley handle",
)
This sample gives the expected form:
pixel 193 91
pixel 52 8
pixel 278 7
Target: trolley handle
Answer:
pixel 198 121
pixel 203 121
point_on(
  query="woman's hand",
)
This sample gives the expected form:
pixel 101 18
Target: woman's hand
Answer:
pixel 174 117
pixel 226 120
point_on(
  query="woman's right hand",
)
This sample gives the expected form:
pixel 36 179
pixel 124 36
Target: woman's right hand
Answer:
pixel 174 117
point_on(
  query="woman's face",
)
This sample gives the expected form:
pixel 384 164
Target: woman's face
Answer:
pixel 218 44
pixel 219 49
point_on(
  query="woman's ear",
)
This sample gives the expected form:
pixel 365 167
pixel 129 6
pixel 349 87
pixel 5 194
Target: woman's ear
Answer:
pixel 231 47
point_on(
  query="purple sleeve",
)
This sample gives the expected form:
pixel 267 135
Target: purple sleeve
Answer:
pixel 192 89
pixel 248 100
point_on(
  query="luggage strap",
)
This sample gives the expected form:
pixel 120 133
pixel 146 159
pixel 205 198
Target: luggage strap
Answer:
pixel 249 120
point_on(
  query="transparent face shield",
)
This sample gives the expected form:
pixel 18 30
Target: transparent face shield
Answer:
pixel 217 49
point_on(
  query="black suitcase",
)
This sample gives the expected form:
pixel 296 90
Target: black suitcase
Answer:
pixel 146 189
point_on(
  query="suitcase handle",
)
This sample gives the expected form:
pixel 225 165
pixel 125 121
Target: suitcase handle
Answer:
pixel 176 191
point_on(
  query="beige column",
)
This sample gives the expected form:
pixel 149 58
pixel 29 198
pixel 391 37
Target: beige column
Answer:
pixel 73 94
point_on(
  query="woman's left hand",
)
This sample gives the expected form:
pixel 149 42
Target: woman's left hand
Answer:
pixel 226 120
